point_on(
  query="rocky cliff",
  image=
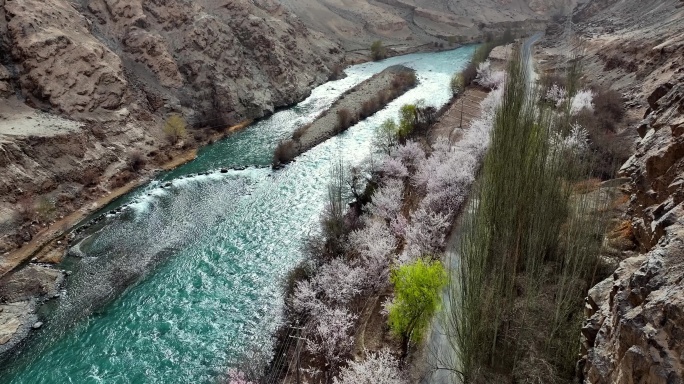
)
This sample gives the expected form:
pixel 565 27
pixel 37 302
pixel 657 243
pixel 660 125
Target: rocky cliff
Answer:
pixel 635 319
pixel 84 85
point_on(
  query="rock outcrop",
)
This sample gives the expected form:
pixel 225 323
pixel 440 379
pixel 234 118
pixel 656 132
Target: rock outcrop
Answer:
pixel 62 63
pixel 230 56
pixel 634 331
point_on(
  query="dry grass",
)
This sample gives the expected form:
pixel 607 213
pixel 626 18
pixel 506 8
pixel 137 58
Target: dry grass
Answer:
pixel 586 186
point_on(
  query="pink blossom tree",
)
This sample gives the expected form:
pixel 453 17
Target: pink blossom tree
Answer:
pixel 237 377
pixel 339 281
pixel 393 168
pixel 410 154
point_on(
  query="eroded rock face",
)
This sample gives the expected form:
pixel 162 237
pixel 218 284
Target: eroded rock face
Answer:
pixel 657 169
pixel 62 62
pixel 239 57
pixel 634 327
pixel 634 332
pixel 233 58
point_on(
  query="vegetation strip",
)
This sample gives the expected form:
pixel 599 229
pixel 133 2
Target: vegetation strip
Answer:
pixel 362 300
pixel 358 103
pixel 530 248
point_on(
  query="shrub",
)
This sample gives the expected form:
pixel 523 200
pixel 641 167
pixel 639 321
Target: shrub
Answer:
pixel 469 73
pixel 345 119
pixel 136 161
pixel 378 51
pixel 369 107
pixel 408 117
pixel 175 128
pixel 609 108
pixel 46 208
pixel 386 136
pixel 26 208
pixel 299 132
pixel 336 72
pixel 284 152
pixel 507 37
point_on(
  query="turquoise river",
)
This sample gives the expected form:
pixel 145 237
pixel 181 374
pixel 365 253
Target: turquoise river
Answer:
pixel 187 274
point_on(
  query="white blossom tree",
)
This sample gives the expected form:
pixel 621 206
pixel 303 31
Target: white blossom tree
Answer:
pixel 339 281
pixel 378 368
pixel 583 99
pixel 330 335
pixel 488 77
pixel 556 95
pixel 376 246
pixel 387 200
pixel 575 142
pixel 425 234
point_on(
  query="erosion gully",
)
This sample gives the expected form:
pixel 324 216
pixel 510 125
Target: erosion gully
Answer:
pixel 187 274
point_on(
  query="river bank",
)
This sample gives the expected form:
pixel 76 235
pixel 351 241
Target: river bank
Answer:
pixel 30 272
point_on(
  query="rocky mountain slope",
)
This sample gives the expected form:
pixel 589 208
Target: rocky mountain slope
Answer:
pixel 633 331
pixel 85 84
pixel 356 23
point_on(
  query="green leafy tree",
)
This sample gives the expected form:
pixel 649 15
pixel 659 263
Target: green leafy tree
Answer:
pixel 386 136
pixel 378 51
pixel 408 117
pixel 417 288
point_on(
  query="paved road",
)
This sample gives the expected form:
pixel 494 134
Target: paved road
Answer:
pixel 527 58
pixel 440 350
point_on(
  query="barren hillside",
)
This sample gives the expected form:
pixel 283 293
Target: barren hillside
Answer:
pixel 412 22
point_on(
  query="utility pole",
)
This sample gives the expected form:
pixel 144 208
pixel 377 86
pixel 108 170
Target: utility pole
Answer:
pixel 298 350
